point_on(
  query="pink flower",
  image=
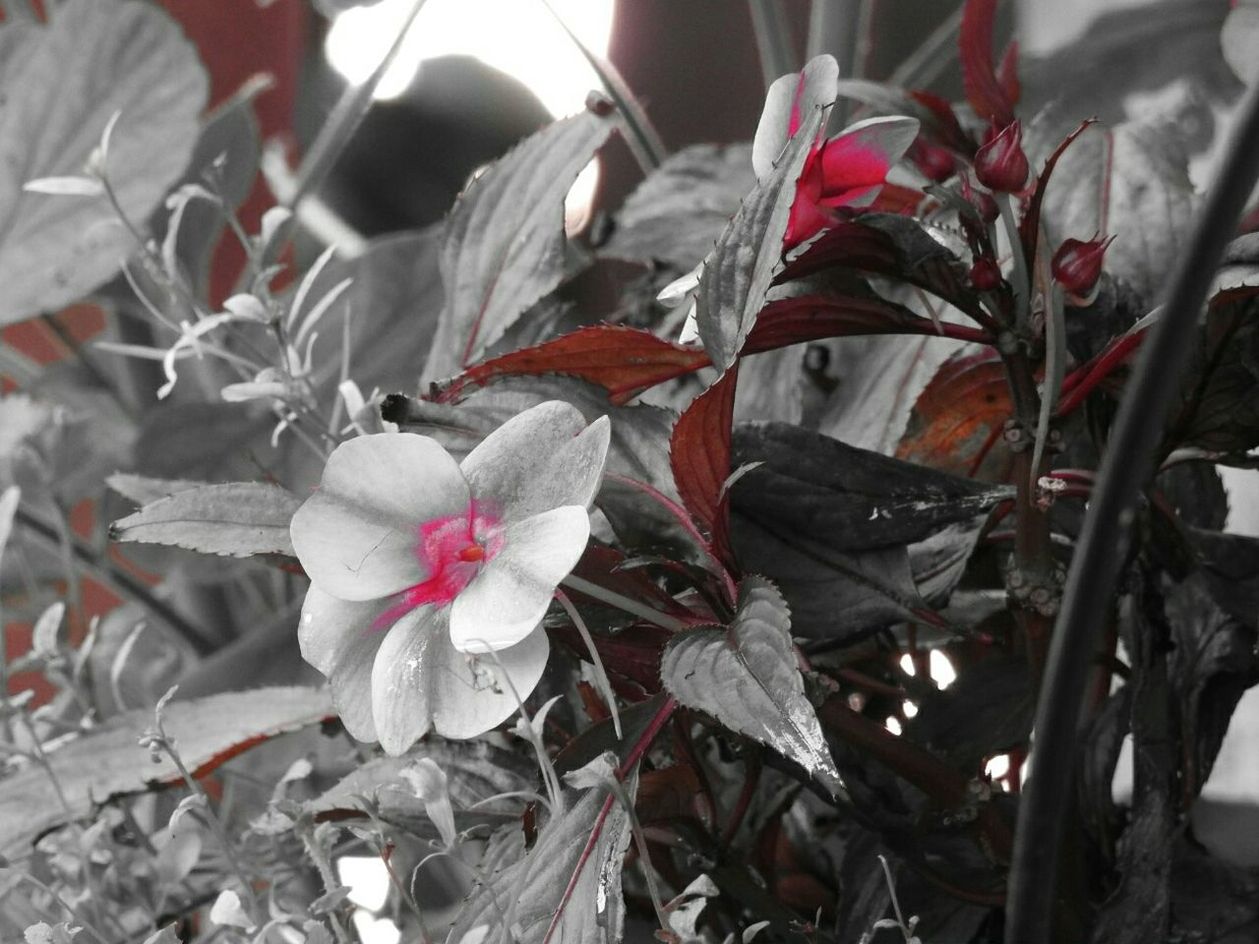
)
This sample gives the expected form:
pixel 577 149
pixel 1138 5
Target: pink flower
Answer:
pixel 420 566
pixel 847 170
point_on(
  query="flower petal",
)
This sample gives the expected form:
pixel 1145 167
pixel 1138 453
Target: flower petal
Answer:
pixel 339 639
pixel 356 536
pixel 421 682
pixel 506 601
pixel 863 153
pixel 544 458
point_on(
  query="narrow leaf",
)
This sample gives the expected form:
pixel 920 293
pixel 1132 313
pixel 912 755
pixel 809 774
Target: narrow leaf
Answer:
pixel 699 453
pixel 983 88
pixel 504 244
pixel 238 519
pixel 745 676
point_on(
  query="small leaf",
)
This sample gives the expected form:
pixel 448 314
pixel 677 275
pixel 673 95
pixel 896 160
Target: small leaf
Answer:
pixel 746 677
pixel 238 519
pixel 109 761
pixel 61 83
pixel 504 241
pixel 66 186
pixel 44 635
pixel 741 268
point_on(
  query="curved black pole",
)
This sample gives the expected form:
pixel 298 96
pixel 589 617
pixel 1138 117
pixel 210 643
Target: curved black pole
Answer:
pixel 1125 470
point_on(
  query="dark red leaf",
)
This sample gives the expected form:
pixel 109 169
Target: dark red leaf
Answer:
pixel 605 566
pixel 699 452
pixel 959 417
pixel 950 131
pixel 1008 72
pixel 624 361
pixel 984 89
pixel 814 317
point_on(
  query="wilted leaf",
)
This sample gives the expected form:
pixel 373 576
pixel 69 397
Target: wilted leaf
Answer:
pixel 237 519
pixel 504 241
pixel 60 84
pixel 959 416
pixel 678 212
pixel 738 273
pixel 808 483
pixel 109 761
pixel 518 903
pixel 745 676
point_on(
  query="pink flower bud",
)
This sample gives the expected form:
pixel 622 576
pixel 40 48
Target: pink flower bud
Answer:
pixel 985 275
pixel 1000 164
pixel 1077 265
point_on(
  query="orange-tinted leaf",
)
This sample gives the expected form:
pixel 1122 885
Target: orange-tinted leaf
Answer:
pixel 813 317
pixel 624 361
pixel 957 421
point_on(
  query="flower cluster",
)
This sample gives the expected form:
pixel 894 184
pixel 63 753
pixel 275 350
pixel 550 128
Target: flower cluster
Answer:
pixel 429 578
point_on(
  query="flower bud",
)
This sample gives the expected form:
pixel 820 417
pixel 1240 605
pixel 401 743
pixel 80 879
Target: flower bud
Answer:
pixel 936 163
pixel 1077 265
pixel 985 274
pixel 1000 164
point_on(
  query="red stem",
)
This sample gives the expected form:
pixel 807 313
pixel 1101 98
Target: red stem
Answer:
pixel 641 746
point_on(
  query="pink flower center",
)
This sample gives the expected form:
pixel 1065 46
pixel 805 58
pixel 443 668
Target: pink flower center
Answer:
pixel 452 549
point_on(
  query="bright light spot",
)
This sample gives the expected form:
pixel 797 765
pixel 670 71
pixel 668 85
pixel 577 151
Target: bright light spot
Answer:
pixel 907 665
pixel 942 672
pixel 367 878
pixel 997 767
pixel 909 709
pixel 518 37
pixel 892 725
pixel 375 930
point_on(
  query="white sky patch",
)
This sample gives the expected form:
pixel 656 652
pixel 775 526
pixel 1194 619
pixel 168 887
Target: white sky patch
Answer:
pixel 367 878
pixel 997 767
pixel 892 724
pixel 518 37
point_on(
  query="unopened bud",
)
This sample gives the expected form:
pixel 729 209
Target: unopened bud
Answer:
pixel 1077 265
pixel 985 275
pixel 936 163
pixel 1000 164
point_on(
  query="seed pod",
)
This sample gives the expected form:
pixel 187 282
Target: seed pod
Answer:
pixel 1000 164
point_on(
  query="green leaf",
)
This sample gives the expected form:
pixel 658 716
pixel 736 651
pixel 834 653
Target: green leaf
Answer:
pixel 678 212
pixel 504 244
pixel 745 676
pixel 517 904
pixel 741 268
pixel 237 519
pixel 109 761
pixel 60 84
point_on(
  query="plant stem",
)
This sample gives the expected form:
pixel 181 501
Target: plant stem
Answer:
pixel 1095 568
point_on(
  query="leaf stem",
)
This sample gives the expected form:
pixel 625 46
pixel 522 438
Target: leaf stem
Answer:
pixel 623 603
pixel 1095 568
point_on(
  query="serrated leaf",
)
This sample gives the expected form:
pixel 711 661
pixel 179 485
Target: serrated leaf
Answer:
pixel 678 212
pixel 60 84
pixel 699 453
pixel 237 519
pixel 745 676
pixel 984 89
pixel 741 268
pixel 144 489
pixel 519 903
pixel 504 242
pixel 110 761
